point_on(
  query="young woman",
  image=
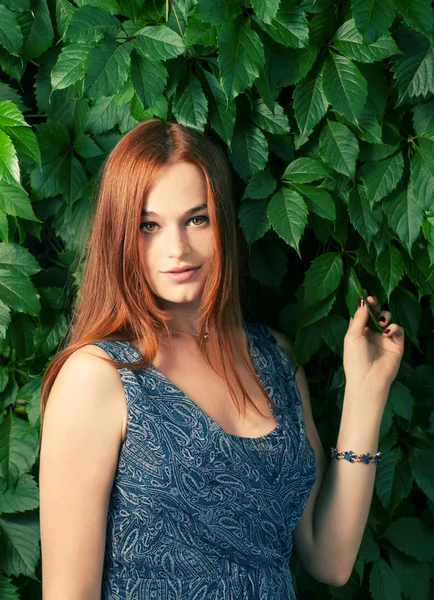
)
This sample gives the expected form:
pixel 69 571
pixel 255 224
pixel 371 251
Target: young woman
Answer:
pixel 179 458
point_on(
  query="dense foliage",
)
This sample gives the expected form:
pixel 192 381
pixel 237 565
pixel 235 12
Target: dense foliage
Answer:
pixel 326 110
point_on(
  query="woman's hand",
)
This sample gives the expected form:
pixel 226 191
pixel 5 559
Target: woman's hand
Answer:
pixel 371 359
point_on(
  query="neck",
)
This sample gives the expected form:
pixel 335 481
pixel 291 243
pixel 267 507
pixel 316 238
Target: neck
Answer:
pixel 184 317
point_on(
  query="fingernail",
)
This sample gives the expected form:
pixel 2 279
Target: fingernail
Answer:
pixel 381 319
pixel 361 302
pixel 387 330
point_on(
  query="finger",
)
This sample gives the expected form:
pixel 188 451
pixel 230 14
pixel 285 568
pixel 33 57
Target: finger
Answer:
pixel 384 318
pixel 393 330
pixel 358 322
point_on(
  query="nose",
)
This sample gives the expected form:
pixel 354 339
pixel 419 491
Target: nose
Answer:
pixel 178 242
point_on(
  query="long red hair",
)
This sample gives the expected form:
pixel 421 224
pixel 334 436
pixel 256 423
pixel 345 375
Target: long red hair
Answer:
pixel 114 300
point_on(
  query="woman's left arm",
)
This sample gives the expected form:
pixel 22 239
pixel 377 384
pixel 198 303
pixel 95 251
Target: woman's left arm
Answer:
pixel 328 536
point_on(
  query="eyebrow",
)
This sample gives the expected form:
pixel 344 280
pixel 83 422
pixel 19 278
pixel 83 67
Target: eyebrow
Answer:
pixel 147 213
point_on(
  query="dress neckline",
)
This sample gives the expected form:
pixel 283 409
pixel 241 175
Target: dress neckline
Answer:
pixel 253 351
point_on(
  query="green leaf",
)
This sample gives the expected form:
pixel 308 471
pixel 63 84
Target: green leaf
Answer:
pixel 47 338
pixel 217 12
pixel 241 55
pixel 19 258
pixel 86 147
pixel 287 213
pixel 21 534
pixel 191 107
pixel 64 12
pixel 417 14
pixel 18 450
pixel 110 6
pixel 413 537
pixel 404 216
pixel 373 18
pixel 304 170
pixel 197 32
pixel 261 185
pixel 322 277
pixel 266 10
pixel 273 121
pixel 54 140
pixel 102 115
pixel 414 577
pixel 40 32
pixel 72 178
pixel 106 69
pixel 8 591
pixel 289 27
pixel 344 86
pixel 401 400
pixel 339 147
pixel 423 116
pixel 89 24
pixel 377 91
pixel 70 66
pixel 390 268
pixel 11 37
pixel 408 313
pixel 349 41
pixel 310 104
pixel 5 319
pixel 24 141
pixel 15 201
pixel 9 167
pixel 17 291
pixel 332 329
pixel 382 177
pixel 149 78
pixel 158 42
pixel 9 93
pixel 420 460
pixel 329 332
pixel 221 113
pixel 383 582
pixel 22 496
pixel 422 173
pixel 249 150
pixel 46 181
pixel 253 219
pixel 10 116
pixel 318 200
pixel 414 70
pixel 384 477
pixel 364 220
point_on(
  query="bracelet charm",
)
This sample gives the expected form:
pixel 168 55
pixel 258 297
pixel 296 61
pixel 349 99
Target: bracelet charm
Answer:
pixel 351 456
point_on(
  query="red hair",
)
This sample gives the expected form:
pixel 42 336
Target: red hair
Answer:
pixel 114 300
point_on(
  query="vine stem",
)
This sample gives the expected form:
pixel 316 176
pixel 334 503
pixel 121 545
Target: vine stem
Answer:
pixel 172 4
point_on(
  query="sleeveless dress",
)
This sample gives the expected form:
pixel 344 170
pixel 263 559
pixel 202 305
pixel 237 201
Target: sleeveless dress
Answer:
pixel 196 513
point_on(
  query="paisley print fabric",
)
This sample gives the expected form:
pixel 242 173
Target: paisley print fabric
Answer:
pixel 196 513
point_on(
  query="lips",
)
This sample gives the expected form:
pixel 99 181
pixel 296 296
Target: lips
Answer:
pixel 181 270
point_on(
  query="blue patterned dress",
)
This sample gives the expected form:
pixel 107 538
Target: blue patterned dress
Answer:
pixel 196 513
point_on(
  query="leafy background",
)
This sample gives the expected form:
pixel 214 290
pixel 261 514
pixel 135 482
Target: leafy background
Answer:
pixel 326 111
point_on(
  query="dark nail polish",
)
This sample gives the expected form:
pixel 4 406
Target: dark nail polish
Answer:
pixel 381 319
pixel 361 302
pixel 387 330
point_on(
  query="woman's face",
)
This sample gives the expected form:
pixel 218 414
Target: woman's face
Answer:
pixel 176 233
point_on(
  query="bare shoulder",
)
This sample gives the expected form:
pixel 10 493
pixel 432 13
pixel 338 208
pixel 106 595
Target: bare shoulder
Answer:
pixel 89 386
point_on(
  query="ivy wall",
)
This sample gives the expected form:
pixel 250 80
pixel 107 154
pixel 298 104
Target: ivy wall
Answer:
pixel 326 111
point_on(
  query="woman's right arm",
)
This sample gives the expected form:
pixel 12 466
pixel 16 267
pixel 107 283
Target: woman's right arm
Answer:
pixel 81 436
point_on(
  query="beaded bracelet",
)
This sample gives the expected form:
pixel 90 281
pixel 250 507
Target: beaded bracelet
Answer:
pixel 351 456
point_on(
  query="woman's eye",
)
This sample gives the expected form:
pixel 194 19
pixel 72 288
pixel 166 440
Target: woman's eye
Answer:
pixel 203 219
pixel 144 226
pixel 148 225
